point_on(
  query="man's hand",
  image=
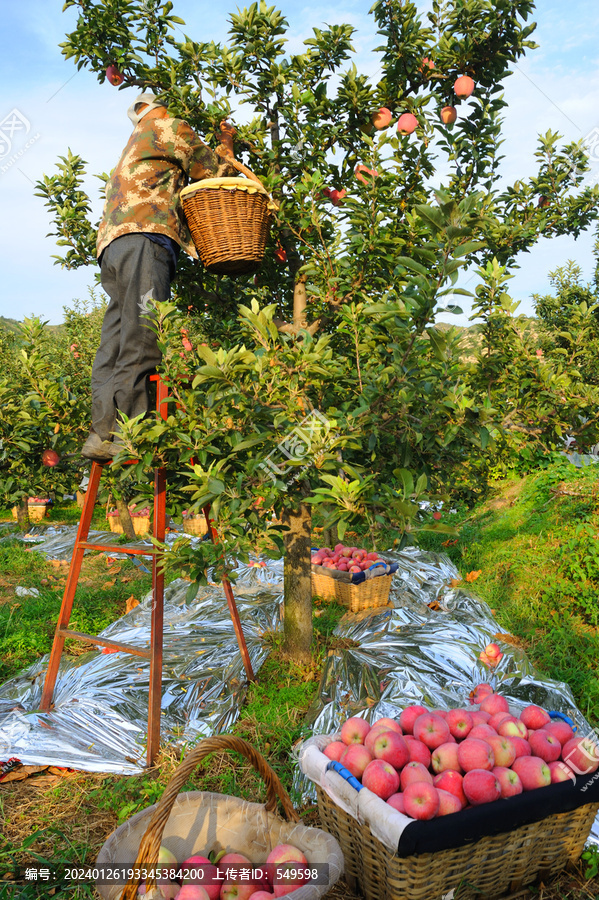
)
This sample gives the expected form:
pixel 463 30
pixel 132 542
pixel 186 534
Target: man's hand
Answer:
pixel 227 133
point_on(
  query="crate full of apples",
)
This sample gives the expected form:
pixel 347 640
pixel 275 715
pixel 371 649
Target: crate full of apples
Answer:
pixel 352 576
pixel 431 763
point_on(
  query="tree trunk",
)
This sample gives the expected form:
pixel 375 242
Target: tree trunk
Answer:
pixel 298 588
pixel 23 515
pixel 125 519
pixel 300 301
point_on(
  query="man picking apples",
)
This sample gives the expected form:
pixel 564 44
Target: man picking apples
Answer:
pixel 142 231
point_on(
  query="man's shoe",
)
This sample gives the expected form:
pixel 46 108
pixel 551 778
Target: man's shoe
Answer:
pixel 98 450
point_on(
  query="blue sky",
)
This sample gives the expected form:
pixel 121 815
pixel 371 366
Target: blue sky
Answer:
pixel 556 87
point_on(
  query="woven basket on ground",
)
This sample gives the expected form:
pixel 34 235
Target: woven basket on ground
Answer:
pixel 198 822
pixel 229 220
pixel 369 594
pixel 490 868
pixel 141 524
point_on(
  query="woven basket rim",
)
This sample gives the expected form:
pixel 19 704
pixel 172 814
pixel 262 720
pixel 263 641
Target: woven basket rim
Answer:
pixel 231 183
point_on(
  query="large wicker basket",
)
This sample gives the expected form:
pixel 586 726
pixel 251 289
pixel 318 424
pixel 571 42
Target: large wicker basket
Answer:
pixel 229 220
pixel 490 868
pixel 371 593
pixel 198 822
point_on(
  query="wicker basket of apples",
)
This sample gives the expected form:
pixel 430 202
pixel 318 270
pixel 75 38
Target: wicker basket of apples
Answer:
pixel 481 800
pixel 196 845
pixel 352 577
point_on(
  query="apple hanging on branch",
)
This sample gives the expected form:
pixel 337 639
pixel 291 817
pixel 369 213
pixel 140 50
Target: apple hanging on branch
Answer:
pixel 382 118
pixel 463 87
pixel 448 115
pixel 50 458
pixel 407 123
pixel 114 76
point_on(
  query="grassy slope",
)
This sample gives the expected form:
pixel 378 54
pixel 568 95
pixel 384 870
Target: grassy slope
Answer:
pixel 536 544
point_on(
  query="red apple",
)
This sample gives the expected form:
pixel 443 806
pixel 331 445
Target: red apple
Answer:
pixel 335 750
pixel 354 730
pixel 533 772
pixel 478 694
pixel 513 728
pixel 358 173
pixel 522 747
pixel 263 895
pixel 355 758
pixel 545 745
pixel 281 254
pixel 493 651
pixel 397 802
pixel 287 854
pixel 560 772
pixel 445 757
pixel 422 800
pixel 372 735
pixel 391 748
pixel 50 458
pixel 391 725
pixel 582 755
pixel 482 732
pixel 381 778
pixel 463 87
pixel 336 196
pixel 407 123
pixel 114 76
pixel 432 730
pixel 448 115
pixel 480 718
pixel 190 892
pixel 475 754
pixel 209 874
pixel 481 786
pixel 451 781
pixel 459 723
pixel 382 118
pixel 408 716
pixel 561 730
pixel 503 750
pixel 448 803
pixel 535 717
pixel 412 773
pixel 496 720
pixel 418 751
pixel 509 781
pixel 494 703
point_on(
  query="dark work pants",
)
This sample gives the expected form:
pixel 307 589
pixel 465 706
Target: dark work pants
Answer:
pixel 134 270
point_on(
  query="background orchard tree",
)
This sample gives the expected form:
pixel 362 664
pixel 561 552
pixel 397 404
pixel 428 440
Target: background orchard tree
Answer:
pixel 364 263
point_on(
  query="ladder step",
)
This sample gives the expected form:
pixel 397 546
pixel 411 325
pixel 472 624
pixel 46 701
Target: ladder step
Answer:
pixel 117 548
pixel 104 642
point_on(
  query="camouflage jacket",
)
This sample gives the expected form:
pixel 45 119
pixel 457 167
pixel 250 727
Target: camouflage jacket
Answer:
pixel 142 194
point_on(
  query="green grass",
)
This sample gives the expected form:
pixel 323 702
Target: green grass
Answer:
pixel 537 547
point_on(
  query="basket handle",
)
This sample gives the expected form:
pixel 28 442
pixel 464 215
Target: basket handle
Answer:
pixel 147 855
pixel 244 170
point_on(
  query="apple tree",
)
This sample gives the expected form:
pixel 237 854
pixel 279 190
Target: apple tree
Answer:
pixel 339 324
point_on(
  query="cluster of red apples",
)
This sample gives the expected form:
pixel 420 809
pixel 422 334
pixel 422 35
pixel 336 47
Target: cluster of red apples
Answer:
pixel 206 880
pixel 432 763
pixel 408 123
pixel 346 559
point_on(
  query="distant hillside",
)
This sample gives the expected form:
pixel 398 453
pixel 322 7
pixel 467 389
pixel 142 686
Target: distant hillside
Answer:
pixel 471 335
pixel 14 325
pixel 9 324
